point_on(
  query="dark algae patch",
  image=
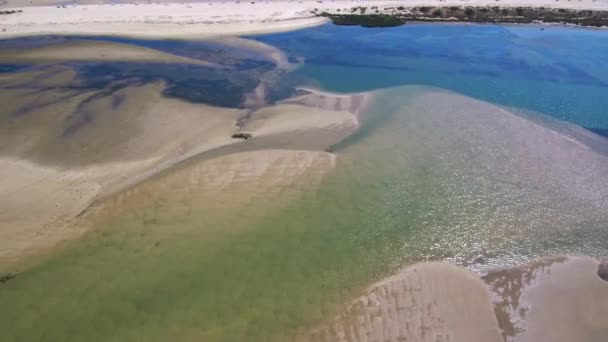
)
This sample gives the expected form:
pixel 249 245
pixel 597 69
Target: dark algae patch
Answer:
pixel 6 277
pixel 243 136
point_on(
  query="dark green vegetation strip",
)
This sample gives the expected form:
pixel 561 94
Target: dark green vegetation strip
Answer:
pixel 395 16
pixel 371 20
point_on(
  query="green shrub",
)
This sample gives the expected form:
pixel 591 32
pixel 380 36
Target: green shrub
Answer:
pixel 369 20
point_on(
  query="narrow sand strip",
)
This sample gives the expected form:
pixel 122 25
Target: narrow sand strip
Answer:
pixel 94 51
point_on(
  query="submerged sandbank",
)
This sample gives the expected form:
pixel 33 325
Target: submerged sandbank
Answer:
pixel 70 147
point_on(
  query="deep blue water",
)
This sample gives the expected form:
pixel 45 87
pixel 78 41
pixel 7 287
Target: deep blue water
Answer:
pixel 558 71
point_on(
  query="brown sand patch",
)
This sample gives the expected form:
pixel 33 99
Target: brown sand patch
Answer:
pixel 425 302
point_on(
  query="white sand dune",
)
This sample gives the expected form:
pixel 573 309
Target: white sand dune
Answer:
pixel 207 19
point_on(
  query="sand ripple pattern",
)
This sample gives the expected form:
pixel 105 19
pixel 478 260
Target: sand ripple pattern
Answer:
pixel 430 302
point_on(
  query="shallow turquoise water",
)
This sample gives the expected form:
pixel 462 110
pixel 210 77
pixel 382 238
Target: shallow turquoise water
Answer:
pixel 557 71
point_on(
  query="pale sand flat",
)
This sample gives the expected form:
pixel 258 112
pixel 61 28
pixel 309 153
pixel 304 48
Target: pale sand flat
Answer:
pixel 426 302
pixel 558 299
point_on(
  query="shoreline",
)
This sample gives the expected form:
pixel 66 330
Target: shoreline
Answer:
pixel 202 20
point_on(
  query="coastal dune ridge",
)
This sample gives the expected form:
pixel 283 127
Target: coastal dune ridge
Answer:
pixel 211 18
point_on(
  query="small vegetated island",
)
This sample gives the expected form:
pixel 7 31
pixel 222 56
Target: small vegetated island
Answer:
pixel 396 16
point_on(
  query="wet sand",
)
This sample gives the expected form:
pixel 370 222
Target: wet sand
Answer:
pixel 560 299
pixel 424 303
pixel 548 300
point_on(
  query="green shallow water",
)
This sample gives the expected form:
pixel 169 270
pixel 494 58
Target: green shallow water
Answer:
pixel 430 176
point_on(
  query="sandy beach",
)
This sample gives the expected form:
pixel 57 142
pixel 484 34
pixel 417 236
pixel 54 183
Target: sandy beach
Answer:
pixel 210 18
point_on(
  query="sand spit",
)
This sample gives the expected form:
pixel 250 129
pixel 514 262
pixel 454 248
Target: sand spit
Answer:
pixel 558 299
pixel 310 120
pixel 94 51
pixel 425 302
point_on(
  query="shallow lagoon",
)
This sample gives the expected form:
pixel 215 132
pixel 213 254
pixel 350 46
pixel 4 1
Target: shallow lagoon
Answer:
pixel 430 176
pixel 553 70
